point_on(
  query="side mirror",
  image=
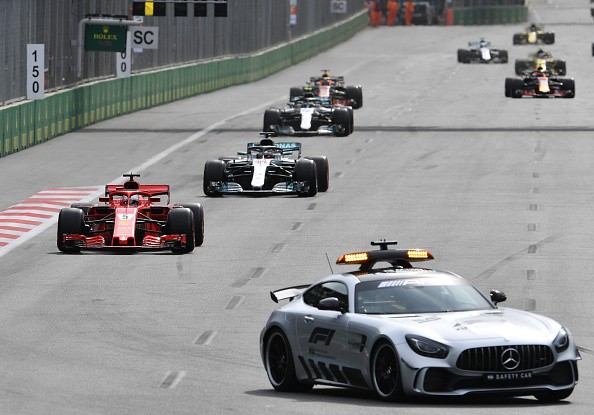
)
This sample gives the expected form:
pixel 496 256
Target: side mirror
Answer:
pixel 155 199
pixel 330 303
pixel 104 199
pixel 497 296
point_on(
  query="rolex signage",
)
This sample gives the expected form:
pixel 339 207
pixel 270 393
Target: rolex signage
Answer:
pixel 105 38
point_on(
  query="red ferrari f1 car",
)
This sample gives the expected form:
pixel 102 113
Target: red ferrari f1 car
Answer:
pixel 130 217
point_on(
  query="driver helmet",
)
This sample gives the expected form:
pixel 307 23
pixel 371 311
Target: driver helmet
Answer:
pixel 134 200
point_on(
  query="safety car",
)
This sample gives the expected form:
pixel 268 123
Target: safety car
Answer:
pixel 403 331
pixel 541 59
pixel 131 217
pixel 267 168
pixel 540 84
pixel 309 115
pixel 331 90
pixel 534 34
pixel 482 52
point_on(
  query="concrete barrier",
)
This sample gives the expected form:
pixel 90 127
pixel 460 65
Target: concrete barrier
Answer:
pixel 29 123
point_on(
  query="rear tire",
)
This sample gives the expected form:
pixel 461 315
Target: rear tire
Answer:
pixel 355 94
pixel 70 221
pixel 548 38
pixel 271 120
pixel 560 67
pixel 214 171
pixel 280 365
pixel 322 172
pixel 198 213
pixel 503 57
pixel 179 222
pixel 305 172
pixel 518 38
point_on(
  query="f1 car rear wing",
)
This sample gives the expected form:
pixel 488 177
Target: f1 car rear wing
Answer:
pixel 289 292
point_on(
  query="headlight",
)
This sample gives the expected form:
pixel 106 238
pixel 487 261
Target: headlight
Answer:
pixel 426 347
pixel 561 342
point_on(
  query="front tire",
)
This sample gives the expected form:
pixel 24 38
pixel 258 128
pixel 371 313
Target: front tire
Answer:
pixel 322 172
pixel 553 396
pixel 341 118
pixel 70 221
pixel 179 222
pixel 385 373
pixel 214 171
pixel 305 172
pixel 280 366
pixel 272 119
pixel 198 213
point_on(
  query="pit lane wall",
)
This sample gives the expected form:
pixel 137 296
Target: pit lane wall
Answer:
pixel 33 122
pixel 489 15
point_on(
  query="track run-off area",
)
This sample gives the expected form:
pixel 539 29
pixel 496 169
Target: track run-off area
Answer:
pixel 500 190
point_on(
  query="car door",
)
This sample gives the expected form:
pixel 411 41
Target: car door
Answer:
pixel 321 334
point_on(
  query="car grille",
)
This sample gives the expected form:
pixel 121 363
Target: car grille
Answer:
pixel 489 359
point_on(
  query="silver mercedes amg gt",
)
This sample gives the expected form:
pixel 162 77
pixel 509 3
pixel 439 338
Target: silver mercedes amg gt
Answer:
pixel 403 331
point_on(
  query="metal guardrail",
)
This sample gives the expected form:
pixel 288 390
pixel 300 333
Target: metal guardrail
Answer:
pixel 251 25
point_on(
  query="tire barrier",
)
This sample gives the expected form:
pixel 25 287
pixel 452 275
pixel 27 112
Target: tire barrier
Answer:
pixel 490 15
pixel 28 123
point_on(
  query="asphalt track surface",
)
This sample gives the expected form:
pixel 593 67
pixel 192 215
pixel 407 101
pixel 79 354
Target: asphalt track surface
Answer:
pixel 500 190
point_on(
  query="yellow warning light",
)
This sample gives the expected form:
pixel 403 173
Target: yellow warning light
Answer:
pixel 355 258
pixel 419 254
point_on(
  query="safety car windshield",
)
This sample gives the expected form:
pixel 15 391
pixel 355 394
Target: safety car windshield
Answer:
pixel 417 295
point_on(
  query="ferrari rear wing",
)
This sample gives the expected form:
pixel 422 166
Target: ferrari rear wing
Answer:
pixel 289 292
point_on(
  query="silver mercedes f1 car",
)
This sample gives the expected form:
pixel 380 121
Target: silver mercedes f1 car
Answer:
pixel 403 331
pixel 267 168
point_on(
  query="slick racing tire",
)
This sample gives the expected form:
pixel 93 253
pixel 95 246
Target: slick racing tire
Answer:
pixel 560 67
pixel 280 365
pixel 517 86
pixel 322 172
pixel 463 56
pixel 198 213
pixel 179 222
pixel 385 373
pixel 305 172
pixel 508 86
pixel 295 92
pixel 520 66
pixel 83 206
pixel 341 119
pixel 355 95
pixel 272 119
pixel 553 396
pixel 214 171
pixel 70 221
pixel 548 38
pixel 503 56
pixel 569 85
pixel 519 38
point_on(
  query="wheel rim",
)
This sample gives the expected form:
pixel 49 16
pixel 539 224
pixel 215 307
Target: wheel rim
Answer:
pixel 385 370
pixel 277 359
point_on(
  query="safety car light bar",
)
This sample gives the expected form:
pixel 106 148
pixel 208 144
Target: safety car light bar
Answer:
pixel 395 257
